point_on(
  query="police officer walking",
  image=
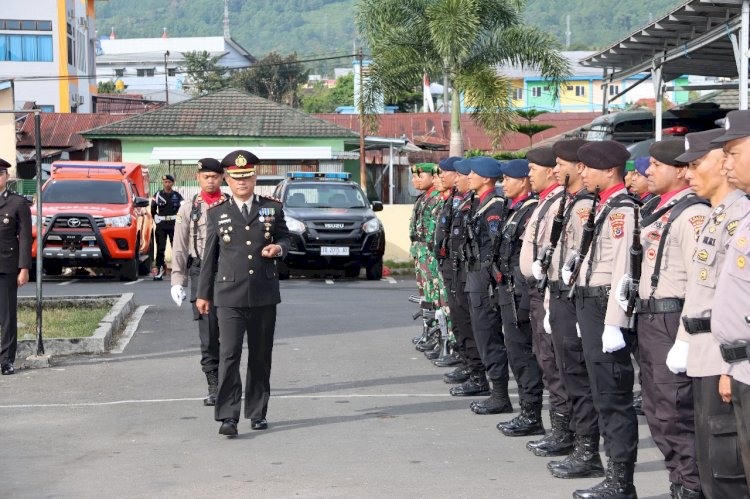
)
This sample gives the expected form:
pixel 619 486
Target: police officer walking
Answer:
pixel 164 206
pixel 244 237
pixel 15 241
pixel 187 251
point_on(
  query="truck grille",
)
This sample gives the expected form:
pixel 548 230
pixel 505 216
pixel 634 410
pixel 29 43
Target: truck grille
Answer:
pixel 73 222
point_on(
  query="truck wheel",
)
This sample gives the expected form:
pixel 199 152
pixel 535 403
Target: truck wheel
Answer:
pixel 283 270
pixel 374 270
pixel 144 267
pixel 52 268
pixel 129 270
pixel 352 270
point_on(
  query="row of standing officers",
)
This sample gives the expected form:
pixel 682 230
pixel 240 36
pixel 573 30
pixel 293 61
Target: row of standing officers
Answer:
pixel 567 277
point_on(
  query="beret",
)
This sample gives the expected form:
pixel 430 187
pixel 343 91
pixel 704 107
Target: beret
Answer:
pixel 667 151
pixel 736 126
pixel 448 164
pixel 430 168
pixel 542 156
pixel 167 177
pixel 4 165
pixel 486 167
pixel 698 144
pixel 641 164
pixel 210 165
pixel 515 168
pixel 463 166
pixel 603 154
pixel 240 163
pixel 568 149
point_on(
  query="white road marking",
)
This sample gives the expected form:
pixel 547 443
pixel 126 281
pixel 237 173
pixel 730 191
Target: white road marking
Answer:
pixel 133 282
pixel 130 329
pixel 389 279
pixel 65 283
pixel 329 281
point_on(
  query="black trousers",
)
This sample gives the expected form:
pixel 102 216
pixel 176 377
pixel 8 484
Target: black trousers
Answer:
pixel 8 318
pixel 716 445
pixel 458 302
pixel 523 364
pixel 488 333
pixel 164 231
pixel 259 323
pixel 741 402
pixel 611 378
pixel 545 355
pixel 208 325
pixel 571 362
pixel 667 398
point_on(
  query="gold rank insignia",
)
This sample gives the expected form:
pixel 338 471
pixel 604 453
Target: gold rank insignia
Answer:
pixel 703 255
pixel 741 242
pixel 703 274
pixel 732 227
pixel 712 229
pixel 720 217
pixel 741 262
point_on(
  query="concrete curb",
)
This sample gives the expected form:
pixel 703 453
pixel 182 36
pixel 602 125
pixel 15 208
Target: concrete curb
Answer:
pixel 122 306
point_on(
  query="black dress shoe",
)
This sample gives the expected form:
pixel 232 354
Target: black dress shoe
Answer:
pixel 8 369
pixel 259 424
pixel 228 427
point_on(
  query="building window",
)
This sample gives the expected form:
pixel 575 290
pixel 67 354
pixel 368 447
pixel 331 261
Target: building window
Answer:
pixel 11 24
pixel 80 51
pixel 25 25
pixel 120 72
pixel 569 88
pixel 580 91
pixel 517 93
pixel 172 71
pixel 71 45
pixel 46 108
pixel 44 25
pixel 145 72
pixel 614 89
pixel 536 91
pixel 26 48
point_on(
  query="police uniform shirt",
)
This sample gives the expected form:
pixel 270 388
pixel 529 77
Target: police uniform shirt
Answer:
pixel 166 205
pixel 730 320
pixel 678 249
pixel 15 233
pixel 488 214
pixel 611 249
pixel 457 235
pixel 704 357
pixel 551 203
pixel 444 219
pixel 576 214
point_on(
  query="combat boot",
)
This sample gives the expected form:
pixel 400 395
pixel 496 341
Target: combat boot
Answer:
pixel 559 442
pixel 617 484
pixel 434 353
pixel 476 385
pixel 528 422
pixel 583 462
pixel 212 377
pixel 159 275
pixel 458 375
pixel 452 359
pixel 427 345
pixel 686 493
pixel 498 402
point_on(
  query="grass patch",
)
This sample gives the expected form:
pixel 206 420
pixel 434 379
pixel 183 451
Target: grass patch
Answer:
pixel 392 264
pixel 61 321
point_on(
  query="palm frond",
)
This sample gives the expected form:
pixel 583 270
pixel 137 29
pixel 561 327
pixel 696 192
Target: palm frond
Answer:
pixel 489 96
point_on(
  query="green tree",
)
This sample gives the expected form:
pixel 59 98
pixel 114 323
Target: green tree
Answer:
pixel 530 129
pixel 106 87
pixel 322 99
pixel 463 39
pixel 204 74
pixel 274 77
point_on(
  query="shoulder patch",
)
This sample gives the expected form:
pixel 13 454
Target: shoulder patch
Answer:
pixel 617 225
pixel 219 202
pixel 697 222
pixel 583 213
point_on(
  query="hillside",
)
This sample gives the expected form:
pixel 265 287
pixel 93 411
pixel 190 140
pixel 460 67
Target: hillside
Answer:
pixel 319 28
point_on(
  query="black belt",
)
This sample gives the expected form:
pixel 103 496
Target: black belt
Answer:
pixel 659 305
pixel 696 325
pixel 557 287
pixel 593 292
pixel 735 352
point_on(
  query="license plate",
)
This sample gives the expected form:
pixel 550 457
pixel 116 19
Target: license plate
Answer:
pixel 334 251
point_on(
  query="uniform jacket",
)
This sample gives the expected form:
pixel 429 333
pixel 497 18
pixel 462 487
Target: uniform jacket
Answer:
pixel 576 214
pixel 541 227
pixel 489 218
pixel 704 357
pixel 15 233
pixel 166 205
pixel 457 236
pixel 233 272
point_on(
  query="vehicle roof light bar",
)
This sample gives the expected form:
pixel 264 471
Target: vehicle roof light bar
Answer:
pixel 319 175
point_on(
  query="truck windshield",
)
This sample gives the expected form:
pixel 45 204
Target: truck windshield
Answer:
pixel 85 191
pixel 311 195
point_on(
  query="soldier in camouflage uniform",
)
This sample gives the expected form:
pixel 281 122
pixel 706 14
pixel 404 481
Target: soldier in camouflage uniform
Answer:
pixel 414 223
pixel 425 223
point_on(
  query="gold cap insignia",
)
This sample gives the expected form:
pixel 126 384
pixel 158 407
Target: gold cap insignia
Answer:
pixel 240 161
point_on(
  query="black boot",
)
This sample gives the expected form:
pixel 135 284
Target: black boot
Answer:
pixel 453 359
pixel 476 385
pixel 617 484
pixel 458 375
pixel 560 441
pixel 583 462
pixel 686 493
pixel 498 403
pixel 212 377
pixel 528 422
pixel 427 345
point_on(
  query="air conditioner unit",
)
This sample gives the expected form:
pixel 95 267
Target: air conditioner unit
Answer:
pixel 80 100
pixel 71 14
pixel 83 22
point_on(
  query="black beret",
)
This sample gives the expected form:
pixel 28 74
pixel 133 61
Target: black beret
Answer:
pixel 240 163
pixel 210 165
pixel 542 156
pixel 167 177
pixel 4 165
pixel 567 150
pixel 448 164
pixel 667 151
pixel 603 155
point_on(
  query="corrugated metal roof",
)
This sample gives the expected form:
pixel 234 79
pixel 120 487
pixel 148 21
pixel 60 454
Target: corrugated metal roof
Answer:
pixel 61 130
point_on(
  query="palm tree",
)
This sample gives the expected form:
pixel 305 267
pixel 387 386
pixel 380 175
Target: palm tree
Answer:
pixel 463 40
pixel 530 129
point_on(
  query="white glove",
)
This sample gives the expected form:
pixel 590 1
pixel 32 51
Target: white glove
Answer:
pixel 677 357
pixel 622 291
pixel 567 270
pixel 536 269
pixel 578 330
pixel 158 218
pixel 612 339
pixel 547 325
pixel 178 294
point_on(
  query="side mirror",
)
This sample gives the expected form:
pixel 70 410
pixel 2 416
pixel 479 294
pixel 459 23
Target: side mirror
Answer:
pixel 141 202
pixel 377 206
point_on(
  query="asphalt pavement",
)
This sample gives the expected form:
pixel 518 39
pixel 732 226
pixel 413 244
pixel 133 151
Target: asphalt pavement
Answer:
pixel 355 412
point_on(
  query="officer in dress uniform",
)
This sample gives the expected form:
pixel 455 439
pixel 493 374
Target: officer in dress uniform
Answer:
pixel 721 473
pixel 187 250
pixel 536 241
pixel 164 206
pixel 15 248
pixel 244 237
pixel 670 224
pixel 594 271
pixel 730 319
pixel 513 299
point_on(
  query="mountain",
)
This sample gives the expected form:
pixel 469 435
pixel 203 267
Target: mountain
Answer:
pixel 324 28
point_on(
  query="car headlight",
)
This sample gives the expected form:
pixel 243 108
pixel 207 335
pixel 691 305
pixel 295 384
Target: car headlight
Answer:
pixel 123 221
pixel 372 225
pixel 45 220
pixel 295 225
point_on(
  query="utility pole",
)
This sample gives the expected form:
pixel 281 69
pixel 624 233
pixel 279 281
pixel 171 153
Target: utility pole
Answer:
pixel 361 106
pixel 166 79
pixel 567 32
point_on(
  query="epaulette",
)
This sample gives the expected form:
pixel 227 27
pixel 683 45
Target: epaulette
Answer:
pixel 271 198
pixel 218 202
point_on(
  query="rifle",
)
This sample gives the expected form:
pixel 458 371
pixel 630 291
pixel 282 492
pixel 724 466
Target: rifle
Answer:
pixel 555 233
pixel 636 259
pixel 471 251
pixel 495 272
pixel 443 252
pixel 586 240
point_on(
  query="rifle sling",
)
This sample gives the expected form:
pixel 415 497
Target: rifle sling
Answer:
pixel 544 208
pixel 619 201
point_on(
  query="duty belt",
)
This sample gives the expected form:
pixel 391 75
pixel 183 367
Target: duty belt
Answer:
pixel 165 218
pixel 659 306
pixel 735 352
pixel 557 287
pixel 696 325
pixel 593 292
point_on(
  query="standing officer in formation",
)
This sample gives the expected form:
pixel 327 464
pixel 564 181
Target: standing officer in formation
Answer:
pixel 187 251
pixel 15 245
pixel 244 237
pixel 639 185
pixel 164 206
